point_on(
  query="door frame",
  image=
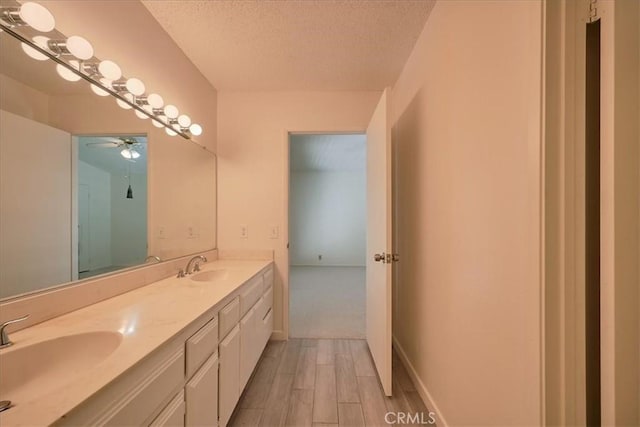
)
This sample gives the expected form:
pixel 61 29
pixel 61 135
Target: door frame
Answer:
pixel 284 333
pixel 563 245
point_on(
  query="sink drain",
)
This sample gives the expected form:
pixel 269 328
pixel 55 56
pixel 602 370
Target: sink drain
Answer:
pixel 4 405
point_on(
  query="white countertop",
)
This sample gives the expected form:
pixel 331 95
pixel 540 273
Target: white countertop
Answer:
pixel 146 317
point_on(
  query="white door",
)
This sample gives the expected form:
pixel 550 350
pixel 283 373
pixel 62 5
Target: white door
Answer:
pixel 379 241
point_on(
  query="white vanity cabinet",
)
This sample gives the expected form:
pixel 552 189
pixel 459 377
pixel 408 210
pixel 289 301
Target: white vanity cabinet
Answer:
pixel 195 378
pixel 229 385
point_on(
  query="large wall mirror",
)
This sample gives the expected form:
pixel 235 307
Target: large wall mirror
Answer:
pixel 86 187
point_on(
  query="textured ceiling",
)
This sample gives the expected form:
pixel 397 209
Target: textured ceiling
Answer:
pixel 295 44
pixel 328 153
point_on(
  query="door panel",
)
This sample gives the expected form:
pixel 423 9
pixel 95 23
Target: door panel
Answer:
pixel 379 241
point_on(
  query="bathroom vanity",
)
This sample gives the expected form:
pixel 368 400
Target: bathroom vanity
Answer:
pixel 175 352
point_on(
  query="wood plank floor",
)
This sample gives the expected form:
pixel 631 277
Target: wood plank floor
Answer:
pixel 322 382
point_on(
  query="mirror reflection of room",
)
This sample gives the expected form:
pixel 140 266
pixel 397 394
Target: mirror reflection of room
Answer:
pixel 112 203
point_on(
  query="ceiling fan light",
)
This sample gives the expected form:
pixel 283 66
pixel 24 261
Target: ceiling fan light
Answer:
pixel 171 111
pixel 37 16
pixel 66 73
pixel 155 100
pixel 79 47
pixel 195 129
pixel 135 86
pixel 134 154
pixel 126 153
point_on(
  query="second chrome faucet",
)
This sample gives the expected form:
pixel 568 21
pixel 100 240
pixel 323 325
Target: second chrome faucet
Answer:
pixel 193 265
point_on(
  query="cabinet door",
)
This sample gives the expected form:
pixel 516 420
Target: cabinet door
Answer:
pixel 172 415
pixel 229 391
pixel 202 395
pixel 247 346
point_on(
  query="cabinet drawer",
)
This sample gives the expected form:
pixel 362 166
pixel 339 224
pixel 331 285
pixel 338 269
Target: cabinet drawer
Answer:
pixel 250 295
pixel 266 327
pixel 268 298
pixel 229 316
pixel 202 395
pixel 268 278
pixel 172 415
pixel 261 308
pixel 140 402
pixel 201 345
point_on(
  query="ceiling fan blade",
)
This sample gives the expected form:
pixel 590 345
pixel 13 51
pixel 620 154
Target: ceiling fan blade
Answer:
pixel 103 144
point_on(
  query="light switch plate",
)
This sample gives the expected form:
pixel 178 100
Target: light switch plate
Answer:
pixel 275 232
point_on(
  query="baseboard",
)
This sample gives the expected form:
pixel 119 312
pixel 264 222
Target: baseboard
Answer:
pixel 278 335
pixel 417 382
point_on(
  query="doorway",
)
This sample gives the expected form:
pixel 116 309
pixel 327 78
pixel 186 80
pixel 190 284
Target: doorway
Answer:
pixel 111 203
pixel 327 235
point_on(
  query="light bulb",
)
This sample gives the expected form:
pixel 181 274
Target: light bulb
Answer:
pixel 171 111
pixel 110 70
pixel 195 129
pixel 79 47
pixel 135 86
pixel 170 132
pixel 66 73
pixel 141 115
pixel 129 153
pixel 98 90
pixel 41 41
pixel 123 104
pixel 157 123
pixel 184 121
pixel 155 100
pixel 37 16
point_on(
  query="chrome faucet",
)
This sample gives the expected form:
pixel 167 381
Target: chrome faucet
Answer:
pixel 152 258
pixel 195 262
pixel 4 338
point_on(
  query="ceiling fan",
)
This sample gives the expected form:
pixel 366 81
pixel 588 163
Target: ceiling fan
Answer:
pixel 128 144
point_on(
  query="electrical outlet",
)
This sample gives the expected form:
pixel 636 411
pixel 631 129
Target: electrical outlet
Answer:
pixel 244 231
pixel 191 233
pixel 319 257
pixel 275 232
pixel 162 233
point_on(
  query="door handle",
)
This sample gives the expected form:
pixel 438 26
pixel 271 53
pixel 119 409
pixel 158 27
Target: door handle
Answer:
pixel 380 257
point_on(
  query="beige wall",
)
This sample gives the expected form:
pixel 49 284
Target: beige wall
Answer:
pixel 253 163
pixel 467 309
pixel 20 99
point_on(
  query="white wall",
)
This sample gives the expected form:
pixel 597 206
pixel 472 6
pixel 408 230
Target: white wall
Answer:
pixel 327 217
pixel 32 263
pixel 467 308
pixel 128 220
pixel 99 183
pixel 253 167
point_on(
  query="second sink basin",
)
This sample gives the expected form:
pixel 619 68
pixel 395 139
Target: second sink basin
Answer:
pixel 209 276
pixel 40 368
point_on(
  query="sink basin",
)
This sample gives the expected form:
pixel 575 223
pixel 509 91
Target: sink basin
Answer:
pixel 37 369
pixel 210 276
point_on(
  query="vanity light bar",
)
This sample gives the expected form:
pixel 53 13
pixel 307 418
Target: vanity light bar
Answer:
pixel 105 77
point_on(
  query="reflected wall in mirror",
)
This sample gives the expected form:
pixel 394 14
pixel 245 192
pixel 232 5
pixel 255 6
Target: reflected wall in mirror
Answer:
pixel 45 126
pixel 112 203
